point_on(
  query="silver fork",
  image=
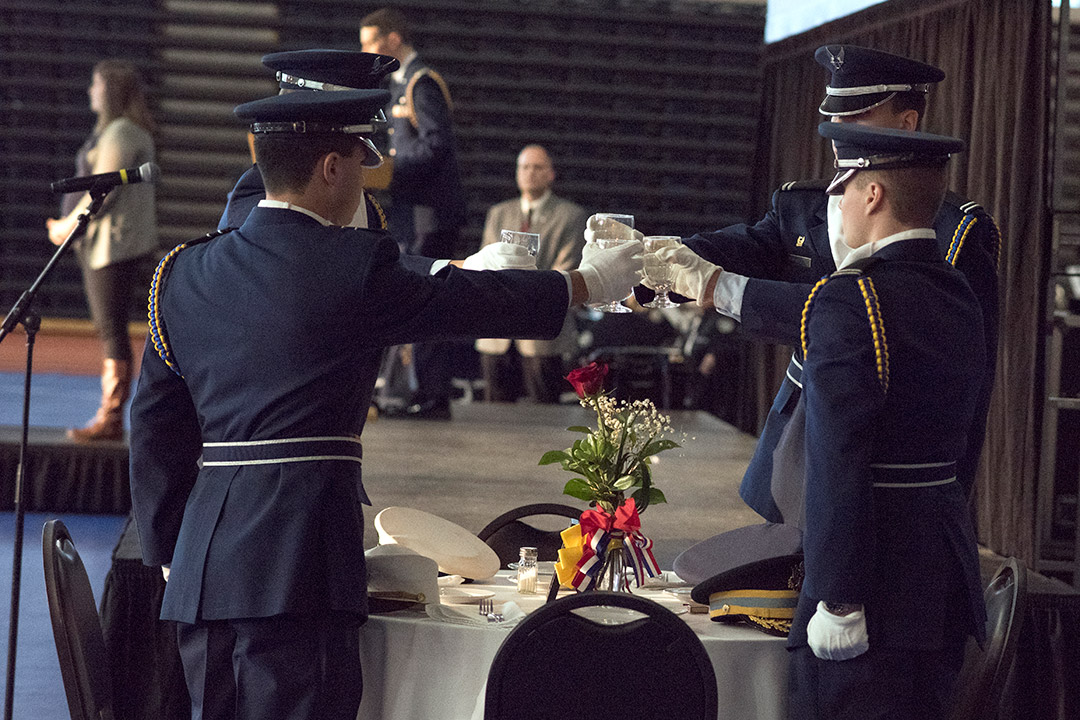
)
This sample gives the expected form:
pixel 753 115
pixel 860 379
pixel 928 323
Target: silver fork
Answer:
pixel 487 608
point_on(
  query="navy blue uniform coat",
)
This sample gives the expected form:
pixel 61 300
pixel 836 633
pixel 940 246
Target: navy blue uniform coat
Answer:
pixel 278 328
pixel 787 251
pixel 908 554
pixel 425 165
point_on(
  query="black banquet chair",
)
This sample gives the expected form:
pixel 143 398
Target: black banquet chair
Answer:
pixel 978 689
pixel 556 663
pixel 76 627
pixel 507 533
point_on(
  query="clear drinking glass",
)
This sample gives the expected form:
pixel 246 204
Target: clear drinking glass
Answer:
pixel 613 229
pixel 529 241
pixel 660 274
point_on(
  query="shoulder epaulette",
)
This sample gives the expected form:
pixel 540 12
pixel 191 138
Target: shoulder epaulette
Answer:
pixel 156 322
pixel 804 185
pixel 873 313
pixel 410 109
pixel 374 205
pixel 974 214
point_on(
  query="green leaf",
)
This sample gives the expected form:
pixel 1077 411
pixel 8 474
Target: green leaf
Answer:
pixel 554 456
pixel 625 482
pixel 579 489
pixel 644 498
pixel 660 445
pixel 580 429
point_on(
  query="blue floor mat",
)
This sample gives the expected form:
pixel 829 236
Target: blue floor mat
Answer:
pixel 55 400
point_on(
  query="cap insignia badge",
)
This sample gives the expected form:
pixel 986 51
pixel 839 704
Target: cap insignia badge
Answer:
pixel 837 60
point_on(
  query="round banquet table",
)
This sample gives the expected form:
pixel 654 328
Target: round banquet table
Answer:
pixel 418 667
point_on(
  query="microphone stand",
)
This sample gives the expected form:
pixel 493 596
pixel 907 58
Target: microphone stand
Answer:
pixel 22 314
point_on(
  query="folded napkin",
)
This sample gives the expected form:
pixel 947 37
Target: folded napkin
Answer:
pixel 469 615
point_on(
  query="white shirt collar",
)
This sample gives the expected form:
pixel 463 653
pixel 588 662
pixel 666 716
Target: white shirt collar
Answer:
pixel 526 205
pixel 398 76
pixel 839 248
pixel 289 206
pixel 872 247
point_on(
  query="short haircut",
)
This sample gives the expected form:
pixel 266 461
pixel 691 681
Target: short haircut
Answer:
pixel 388 20
pixel 286 160
pixel 909 100
pixel 914 194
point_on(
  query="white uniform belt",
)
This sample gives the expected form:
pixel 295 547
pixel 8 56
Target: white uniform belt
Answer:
pixel 913 475
pixel 282 450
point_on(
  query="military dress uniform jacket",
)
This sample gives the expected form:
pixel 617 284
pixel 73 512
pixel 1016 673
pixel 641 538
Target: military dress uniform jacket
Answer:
pixel 560 224
pixel 787 251
pixel 422 144
pixel 249 190
pixel 892 375
pixel 278 329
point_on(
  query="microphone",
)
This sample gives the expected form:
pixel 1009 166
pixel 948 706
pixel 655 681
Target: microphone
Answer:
pixel 147 172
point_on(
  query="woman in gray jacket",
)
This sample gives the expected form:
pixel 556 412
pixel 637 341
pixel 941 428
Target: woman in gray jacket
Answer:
pixel 114 252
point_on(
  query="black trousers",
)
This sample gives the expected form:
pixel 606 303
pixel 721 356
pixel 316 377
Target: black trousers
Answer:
pixel 285 667
pixel 510 376
pixel 880 684
pixel 108 293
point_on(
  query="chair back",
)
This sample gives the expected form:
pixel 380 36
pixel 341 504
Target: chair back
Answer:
pixel 979 686
pixel 76 627
pixel 556 663
pixel 506 534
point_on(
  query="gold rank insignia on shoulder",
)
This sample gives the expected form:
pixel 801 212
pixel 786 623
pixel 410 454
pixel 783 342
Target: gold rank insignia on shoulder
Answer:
pixel 801 241
pixel 399 111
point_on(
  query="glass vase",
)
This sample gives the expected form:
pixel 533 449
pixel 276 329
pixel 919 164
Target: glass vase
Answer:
pixel 612 576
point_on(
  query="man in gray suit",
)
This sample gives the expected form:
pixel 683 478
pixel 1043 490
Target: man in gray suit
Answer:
pixel 538 364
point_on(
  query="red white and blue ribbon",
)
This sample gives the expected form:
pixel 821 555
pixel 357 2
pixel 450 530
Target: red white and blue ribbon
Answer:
pixel 596 530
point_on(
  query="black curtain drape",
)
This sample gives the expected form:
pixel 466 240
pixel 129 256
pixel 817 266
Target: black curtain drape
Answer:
pixel 995 96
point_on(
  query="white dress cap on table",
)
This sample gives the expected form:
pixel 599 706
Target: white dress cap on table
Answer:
pixel 456 550
pixel 397 569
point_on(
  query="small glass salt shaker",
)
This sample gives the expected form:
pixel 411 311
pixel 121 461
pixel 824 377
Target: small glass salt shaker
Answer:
pixel 526 570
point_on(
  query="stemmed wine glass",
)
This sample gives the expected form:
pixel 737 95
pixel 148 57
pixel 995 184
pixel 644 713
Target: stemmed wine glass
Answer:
pixel 613 229
pixel 529 241
pixel 660 274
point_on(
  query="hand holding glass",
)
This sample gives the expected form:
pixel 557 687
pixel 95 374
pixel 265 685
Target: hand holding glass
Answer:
pixel 611 229
pixel 527 240
pixel 660 274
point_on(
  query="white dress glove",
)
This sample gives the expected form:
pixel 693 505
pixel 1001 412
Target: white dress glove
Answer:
pixel 594 224
pixel 610 275
pixel 500 256
pixel 692 272
pixel 837 637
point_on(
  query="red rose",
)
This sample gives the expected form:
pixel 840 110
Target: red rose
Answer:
pixel 588 380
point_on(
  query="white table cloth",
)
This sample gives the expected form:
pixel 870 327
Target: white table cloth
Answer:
pixel 418 668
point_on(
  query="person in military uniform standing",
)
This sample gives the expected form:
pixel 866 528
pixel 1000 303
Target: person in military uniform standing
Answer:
pixel 534 368
pixel 766 270
pixel 427 200
pixel 893 363
pixel 245 444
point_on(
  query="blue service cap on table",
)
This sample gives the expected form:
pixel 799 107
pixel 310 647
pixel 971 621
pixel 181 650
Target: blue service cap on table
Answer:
pixel 735 548
pixel 333 70
pixel 348 112
pixel 863 78
pixel 763 594
pixel 861 147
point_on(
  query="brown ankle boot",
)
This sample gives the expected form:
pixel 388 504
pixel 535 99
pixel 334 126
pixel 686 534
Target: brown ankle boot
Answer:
pixel 108 423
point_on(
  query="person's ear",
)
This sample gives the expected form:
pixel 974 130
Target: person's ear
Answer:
pixel 909 119
pixel 330 168
pixel 874 198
